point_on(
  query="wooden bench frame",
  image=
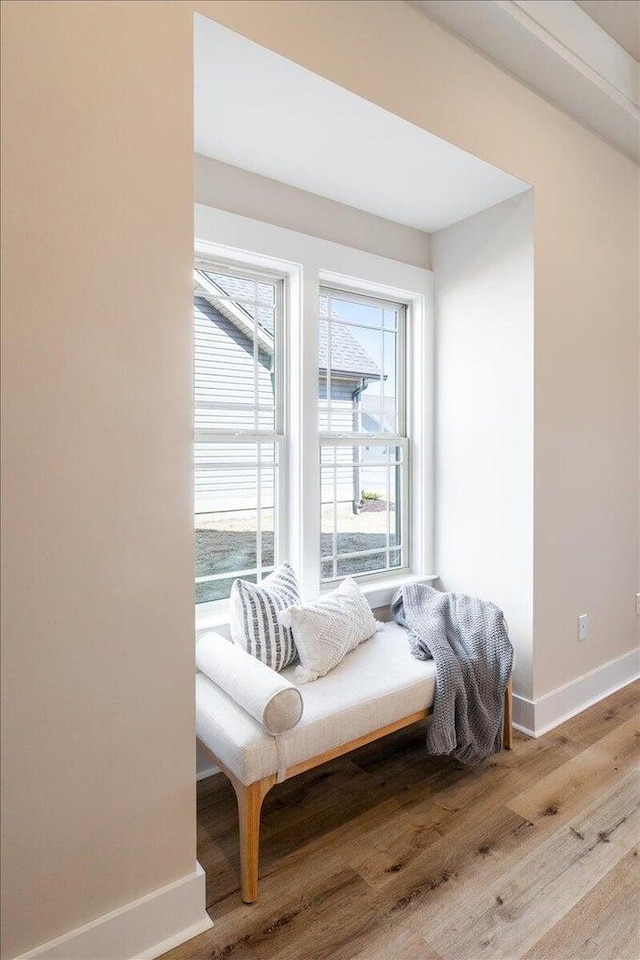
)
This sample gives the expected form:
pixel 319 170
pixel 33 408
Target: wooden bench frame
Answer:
pixel 250 798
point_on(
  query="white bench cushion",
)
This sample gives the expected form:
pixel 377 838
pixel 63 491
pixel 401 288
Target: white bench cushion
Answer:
pixel 376 684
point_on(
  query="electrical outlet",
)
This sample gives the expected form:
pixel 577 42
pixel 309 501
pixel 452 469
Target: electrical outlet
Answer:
pixel 637 604
pixel 583 626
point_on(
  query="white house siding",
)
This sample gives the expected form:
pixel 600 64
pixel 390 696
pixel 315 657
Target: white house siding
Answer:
pixel 225 374
pixel 349 485
pixel 341 422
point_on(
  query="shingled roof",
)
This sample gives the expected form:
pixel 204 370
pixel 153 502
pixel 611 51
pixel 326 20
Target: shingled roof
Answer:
pixel 349 359
pixel 347 355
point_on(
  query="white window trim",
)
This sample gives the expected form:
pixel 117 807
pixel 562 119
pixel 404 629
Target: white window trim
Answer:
pixel 307 263
pixel 399 439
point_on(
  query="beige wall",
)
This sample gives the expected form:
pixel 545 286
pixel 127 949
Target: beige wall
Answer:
pixel 97 592
pixel 97 171
pixel 260 198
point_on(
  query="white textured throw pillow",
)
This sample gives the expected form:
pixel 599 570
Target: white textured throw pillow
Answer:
pixel 254 616
pixel 326 630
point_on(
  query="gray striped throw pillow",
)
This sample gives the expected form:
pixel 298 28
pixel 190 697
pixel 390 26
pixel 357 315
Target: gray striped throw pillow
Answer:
pixel 254 616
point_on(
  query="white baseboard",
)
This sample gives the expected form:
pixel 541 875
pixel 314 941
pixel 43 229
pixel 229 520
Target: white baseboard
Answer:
pixel 205 772
pixel 536 717
pixel 523 715
pixel 205 766
pixel 141 930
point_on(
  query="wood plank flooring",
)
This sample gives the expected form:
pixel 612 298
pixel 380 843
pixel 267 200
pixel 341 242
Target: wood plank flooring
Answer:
pixel 387 854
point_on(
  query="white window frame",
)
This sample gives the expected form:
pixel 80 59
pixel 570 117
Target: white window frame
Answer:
pixel 276 436
pixel 307 263
pixel 399 438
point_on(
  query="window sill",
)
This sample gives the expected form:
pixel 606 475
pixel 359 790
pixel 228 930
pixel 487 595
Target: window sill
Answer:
pixel 379 594
pixel 211 620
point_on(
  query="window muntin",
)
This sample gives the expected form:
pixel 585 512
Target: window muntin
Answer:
pixel 235 325
pixel 363 504
pixel 361 346
pixel 239 436
pixel 363 444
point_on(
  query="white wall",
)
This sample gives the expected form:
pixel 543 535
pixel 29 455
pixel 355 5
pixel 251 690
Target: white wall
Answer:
pixel 483 298
pixel 260 198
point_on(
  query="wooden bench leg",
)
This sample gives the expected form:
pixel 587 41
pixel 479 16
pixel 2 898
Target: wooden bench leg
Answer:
pixel 507 730
pixel 249 806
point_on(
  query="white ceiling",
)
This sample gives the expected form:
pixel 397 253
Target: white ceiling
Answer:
pixel 261 112
pixel 621 20
pixel 560 50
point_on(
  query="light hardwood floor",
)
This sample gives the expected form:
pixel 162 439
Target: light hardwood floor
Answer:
pixel 387 854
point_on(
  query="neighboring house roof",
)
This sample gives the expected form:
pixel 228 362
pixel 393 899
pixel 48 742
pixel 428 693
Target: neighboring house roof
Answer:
pixel 347 355
pixel 349 359
pixel 205 288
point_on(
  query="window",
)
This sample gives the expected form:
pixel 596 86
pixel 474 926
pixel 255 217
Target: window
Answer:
pixel 362 429
pixel 239 426
pixel 313 419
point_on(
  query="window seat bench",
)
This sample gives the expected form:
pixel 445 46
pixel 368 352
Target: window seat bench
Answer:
pixel 378 688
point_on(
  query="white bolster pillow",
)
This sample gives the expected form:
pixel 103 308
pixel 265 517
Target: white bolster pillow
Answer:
pixel 271 699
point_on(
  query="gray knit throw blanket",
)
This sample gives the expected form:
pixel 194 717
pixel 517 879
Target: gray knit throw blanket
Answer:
pixel 468 640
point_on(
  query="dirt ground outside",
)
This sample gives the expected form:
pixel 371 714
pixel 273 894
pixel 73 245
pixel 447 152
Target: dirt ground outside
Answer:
pixel 227 542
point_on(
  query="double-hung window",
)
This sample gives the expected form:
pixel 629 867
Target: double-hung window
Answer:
pixel 313 403
pixel 364 448
pixel 239 452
